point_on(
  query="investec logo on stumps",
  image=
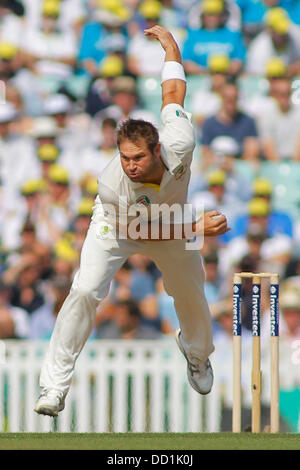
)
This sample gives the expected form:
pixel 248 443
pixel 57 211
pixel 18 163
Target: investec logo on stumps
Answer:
pixel 256 310
pixel 274 312
pixel 237 309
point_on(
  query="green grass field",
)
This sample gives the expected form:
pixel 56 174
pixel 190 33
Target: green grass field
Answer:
pixel 153 441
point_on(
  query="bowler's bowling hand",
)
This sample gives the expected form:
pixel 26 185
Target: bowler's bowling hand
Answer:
pixel 162 35
pixel 212 224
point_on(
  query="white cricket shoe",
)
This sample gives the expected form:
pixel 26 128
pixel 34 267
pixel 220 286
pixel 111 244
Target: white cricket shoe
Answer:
pixel 200 373
pixel 50 403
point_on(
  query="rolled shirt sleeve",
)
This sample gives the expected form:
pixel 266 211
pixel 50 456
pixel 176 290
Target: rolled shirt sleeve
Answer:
pixel 177 136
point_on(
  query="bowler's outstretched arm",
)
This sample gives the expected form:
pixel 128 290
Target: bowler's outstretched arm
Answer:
pixel 173 89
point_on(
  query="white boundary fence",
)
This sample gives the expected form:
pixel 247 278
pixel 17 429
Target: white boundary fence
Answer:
pixel 118 386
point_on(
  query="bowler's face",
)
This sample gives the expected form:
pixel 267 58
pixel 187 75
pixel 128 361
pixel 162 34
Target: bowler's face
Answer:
pixel 137 160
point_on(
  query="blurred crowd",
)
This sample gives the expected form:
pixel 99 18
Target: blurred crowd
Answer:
pixel 70 72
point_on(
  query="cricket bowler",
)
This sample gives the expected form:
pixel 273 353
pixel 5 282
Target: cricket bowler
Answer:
pixel 151 168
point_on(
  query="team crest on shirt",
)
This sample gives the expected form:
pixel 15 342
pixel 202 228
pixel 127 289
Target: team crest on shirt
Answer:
pixel 180 172
pixel 181 114
pixel 144 200
pixel 104 231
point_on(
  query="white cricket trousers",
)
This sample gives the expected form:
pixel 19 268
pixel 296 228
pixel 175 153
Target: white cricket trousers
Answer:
pixel 183 277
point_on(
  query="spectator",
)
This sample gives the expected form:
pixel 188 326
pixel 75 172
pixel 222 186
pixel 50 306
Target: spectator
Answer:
pixel 30 243
pixel 31 191
pixel 9 62
pixel 108 19
pixel 260 103
pixel 95 158
pixel 47 155
pixel 99 91
pixel 185 5
pixel 260 212
pixel 249 245
pixel 279 127
pixel 50 51
pixel 21 84
pixel 145 55
pixel 72 129
pixel 14 321
pixel 224 151
pixel 125 103
pixel 253 15
pixel 126 323
pixel 275 228
pixel 142 286
pixel 212 277
pixel 213 38
pixel 56 211
pixel 207 103
pixel 216 197
pixel 72 14
pixel 42 320
pixel 89 188
pixel 280 38
pixel 68 141
pixel 81 223
pixel 65 257
pixel 48 147
pixel 24 276
pixel 11 24
pixel 27 209
pixel 43 130
pixel 232 15
pixel 232 122
pixel 262 188
pixel 59 107
pixel 270 254
pixel 17 160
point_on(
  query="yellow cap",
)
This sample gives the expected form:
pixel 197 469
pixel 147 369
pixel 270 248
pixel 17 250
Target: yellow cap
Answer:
pixel 91 186
pixel 85 207
pixel 63 249
pixel 217 177
pixel 218 63
pixel 32 187
pixel 259 207
pixel 48 153
pixel 213 7
pixel 112 66
pixel 150 9
pixel 7 51
pixel 277 19
pixel 51 8
pixel 110 4
pixel 57 174
pixel 276 68
pixel 262 187
pixel 123 13
pixel 116 7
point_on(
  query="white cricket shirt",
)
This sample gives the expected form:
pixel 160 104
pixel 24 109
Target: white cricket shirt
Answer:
pixel 177 141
